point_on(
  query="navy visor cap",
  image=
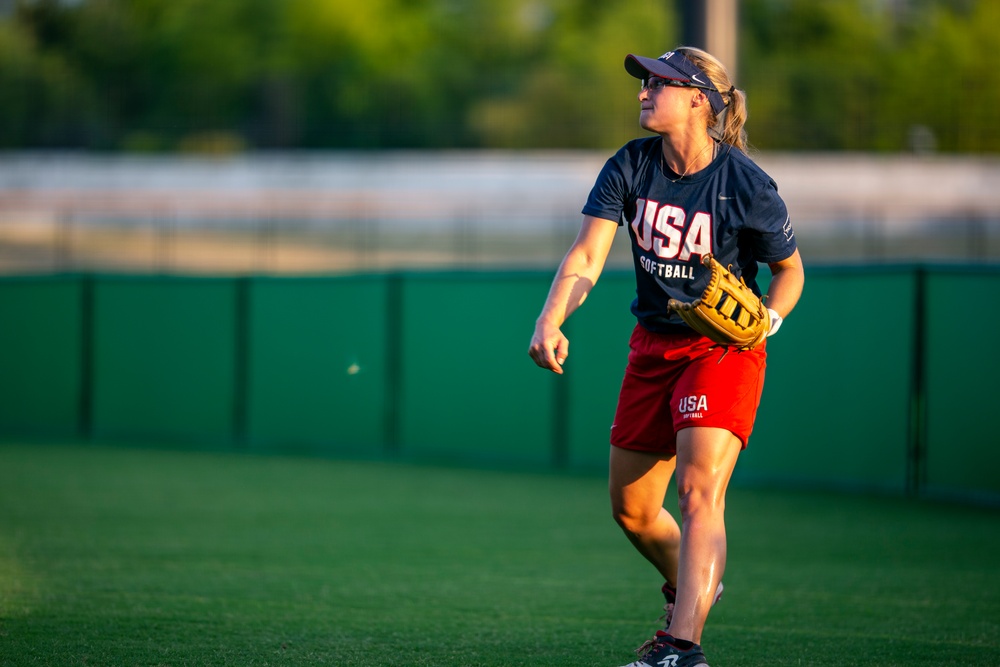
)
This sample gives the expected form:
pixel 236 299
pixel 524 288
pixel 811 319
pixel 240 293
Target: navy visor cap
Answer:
pixel 675 67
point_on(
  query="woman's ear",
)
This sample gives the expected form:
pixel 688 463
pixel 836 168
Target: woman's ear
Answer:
pixel 699 98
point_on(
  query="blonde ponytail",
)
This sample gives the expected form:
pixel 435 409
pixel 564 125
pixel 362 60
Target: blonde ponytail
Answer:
pixel 732 131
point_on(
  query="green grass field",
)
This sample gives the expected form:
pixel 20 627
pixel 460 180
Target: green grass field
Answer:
pixel 113 556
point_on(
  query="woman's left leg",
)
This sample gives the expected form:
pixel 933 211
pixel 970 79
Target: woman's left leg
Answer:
pixel 705 460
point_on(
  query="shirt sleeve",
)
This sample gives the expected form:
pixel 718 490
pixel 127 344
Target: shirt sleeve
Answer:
pixel 773 235
pixel 608 197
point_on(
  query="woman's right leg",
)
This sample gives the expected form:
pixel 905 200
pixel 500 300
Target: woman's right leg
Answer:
pixel 638 484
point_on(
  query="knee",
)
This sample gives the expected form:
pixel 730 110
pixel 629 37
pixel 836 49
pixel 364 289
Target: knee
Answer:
pixel 633 520
pixel 695 501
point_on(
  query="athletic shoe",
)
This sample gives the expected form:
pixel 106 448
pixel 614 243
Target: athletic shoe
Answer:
pixel 670 595
pixel 665 651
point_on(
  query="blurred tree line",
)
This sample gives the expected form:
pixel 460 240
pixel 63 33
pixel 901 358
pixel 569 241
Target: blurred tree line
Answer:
pixel 229 75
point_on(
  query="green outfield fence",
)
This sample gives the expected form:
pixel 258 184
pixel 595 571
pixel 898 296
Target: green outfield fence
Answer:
pixel 883 379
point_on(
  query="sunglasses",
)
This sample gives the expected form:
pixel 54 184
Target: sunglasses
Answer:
pixel 655 83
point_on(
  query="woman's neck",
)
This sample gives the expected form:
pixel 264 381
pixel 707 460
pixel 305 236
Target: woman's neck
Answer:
pixel 688 157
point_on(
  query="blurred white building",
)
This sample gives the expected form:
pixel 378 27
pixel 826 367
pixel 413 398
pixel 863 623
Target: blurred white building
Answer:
pixel 348 212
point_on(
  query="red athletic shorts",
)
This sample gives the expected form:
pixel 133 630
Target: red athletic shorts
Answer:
pixel 678 380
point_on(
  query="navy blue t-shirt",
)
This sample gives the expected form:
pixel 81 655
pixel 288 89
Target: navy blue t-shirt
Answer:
pixel 730 209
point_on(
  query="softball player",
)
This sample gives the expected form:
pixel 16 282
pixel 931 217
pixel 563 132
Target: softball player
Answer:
pixel 686 406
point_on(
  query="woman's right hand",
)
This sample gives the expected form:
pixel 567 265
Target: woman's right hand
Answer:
pixel 549 347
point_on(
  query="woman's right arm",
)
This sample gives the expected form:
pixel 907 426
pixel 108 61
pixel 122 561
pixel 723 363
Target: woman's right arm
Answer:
pixel 577 275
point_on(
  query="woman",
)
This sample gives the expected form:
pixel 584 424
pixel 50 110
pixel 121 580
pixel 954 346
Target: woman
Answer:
pixel 686 406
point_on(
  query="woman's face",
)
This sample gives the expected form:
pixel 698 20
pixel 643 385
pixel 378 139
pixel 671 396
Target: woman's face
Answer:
pixel 664 106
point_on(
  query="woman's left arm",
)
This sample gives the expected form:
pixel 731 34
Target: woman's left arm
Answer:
pixel 787 279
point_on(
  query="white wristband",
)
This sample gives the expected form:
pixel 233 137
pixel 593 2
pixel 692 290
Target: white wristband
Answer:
pixel 775 322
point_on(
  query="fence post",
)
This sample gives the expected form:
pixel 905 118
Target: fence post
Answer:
pixel 85 419
pixel 241 362
pixel 916 454
pixel 393 362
